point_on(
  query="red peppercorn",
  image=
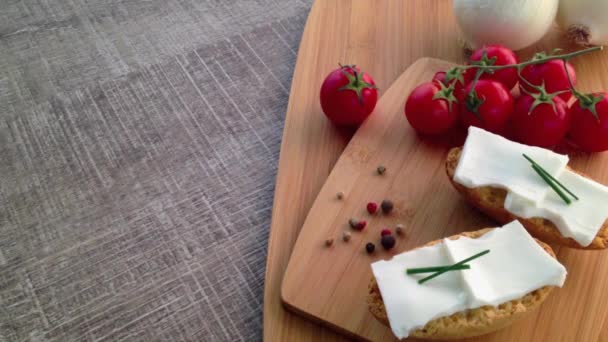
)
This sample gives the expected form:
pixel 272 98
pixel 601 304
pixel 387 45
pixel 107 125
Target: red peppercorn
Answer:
pixel 372 207
pixel 385 231
pixel 388 241
pixel 361 225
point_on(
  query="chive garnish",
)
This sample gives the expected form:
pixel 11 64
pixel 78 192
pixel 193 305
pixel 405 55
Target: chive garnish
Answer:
pixel 553 183
pixel 453 267
pixel 434 269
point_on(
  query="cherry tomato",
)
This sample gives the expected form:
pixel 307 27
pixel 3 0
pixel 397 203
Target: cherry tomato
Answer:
pixel 440 77
pixel 493 109
pixel 459 85
pixel 504 56
pixel 429 115
pixel 348 96
pixel 553 74
pixel 544 125
pixel 590 133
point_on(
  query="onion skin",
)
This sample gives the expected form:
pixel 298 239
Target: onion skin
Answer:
pixel 515 24
pixel 584 21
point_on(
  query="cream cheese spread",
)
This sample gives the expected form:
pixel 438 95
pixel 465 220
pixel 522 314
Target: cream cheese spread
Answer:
pixel 488 159
pixel 579 220
pixel 491 160
pixel 515 266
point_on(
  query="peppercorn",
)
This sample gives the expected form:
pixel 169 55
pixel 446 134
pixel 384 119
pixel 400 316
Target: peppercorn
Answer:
pixel 372 207
pixel 387 206
pixel 388 241
pixel 370 247
pixel 381 170
pixel 353 223
pixel 385 231
pixel 329 242
pixel 399 229
pixel 346 236
pixel 340 195
pixel 361 225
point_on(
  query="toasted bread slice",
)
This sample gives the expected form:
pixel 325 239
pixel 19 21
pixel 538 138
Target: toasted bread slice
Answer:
pixel 491 201
pixel 469 323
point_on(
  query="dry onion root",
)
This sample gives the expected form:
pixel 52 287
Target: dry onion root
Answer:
pixel 584 21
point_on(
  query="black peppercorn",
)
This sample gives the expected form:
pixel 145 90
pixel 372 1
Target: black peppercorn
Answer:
pixel 387 241
pixel 387 206
pixel 370 247
pixel 381 170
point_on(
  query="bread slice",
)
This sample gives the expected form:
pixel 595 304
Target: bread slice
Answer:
pixel 491 201
pixel 469 323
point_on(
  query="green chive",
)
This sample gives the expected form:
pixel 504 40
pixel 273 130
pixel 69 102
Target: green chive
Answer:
pixel 551 177
pixel 452 267
pixel 434 269
pixel 551 184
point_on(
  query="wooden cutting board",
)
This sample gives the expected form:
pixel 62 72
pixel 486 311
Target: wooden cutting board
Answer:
pixel 330 284
pixel 384 37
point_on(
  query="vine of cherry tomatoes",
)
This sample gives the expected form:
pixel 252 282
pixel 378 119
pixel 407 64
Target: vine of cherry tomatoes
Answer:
pixel 539 116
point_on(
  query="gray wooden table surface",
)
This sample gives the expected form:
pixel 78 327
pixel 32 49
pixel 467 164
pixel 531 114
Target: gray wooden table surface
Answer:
pixel 138 151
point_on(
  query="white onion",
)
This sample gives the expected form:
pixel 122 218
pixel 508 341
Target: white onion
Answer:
pixel 515 24
pixel 584 20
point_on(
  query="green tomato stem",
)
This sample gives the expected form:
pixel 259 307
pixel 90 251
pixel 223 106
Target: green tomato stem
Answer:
pixel 472 100
pixel 576 93
pixel 533 86
pixel 565 57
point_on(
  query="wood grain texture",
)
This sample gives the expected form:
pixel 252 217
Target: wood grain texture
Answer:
pixel 370 34
pixel 389 39
pixel 330 284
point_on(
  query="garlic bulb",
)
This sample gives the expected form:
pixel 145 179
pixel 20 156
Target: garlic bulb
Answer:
pixel 515 24
pixel 584 20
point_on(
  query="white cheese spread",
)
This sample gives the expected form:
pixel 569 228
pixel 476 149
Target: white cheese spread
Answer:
pixel 515 266
pixel 579 220
pixel 491 160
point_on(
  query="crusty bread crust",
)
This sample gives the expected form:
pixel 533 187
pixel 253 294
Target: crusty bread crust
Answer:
pixel 469 323
pixel 491 201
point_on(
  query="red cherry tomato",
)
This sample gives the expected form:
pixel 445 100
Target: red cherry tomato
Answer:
pixel 587 131
pixel 494 110
pixel 440 77
pixel 458 86
pixel 428 115
pixel 553 74
pixel 504 56
pixel 348 96
pixel 544 126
